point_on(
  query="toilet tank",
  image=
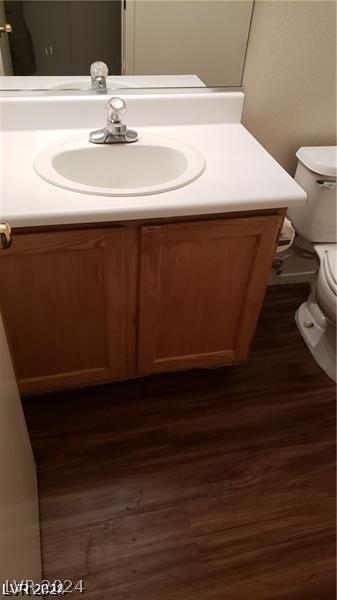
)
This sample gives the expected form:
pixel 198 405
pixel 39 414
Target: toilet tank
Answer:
pixel 316 174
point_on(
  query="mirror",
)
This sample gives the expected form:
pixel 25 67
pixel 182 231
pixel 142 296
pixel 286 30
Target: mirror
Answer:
pixel 50 44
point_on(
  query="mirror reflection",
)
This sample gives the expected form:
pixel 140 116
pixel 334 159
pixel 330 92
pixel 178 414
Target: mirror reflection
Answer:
pixel 48 43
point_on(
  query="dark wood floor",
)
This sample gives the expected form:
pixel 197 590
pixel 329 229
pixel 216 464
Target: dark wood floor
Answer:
pixel 203 485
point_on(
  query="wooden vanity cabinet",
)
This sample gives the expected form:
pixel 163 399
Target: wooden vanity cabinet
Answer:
pixel 101 304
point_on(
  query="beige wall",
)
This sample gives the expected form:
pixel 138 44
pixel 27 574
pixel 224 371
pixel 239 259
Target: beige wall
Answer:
pixel 290 76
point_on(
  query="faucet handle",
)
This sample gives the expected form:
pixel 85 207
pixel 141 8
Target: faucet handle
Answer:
pixel 115 131
pixel 99 69
pixel 116 109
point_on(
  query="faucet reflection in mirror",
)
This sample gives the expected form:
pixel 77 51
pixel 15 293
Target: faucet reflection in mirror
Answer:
pixel 98 73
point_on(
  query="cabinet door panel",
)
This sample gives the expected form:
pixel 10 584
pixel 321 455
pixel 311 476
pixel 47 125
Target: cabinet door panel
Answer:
pixel 201 289
pixel 62 296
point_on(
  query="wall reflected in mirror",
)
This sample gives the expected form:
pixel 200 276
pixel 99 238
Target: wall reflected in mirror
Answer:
pixel 51 39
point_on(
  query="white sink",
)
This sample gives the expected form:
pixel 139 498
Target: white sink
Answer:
pixel 72 85
pixel 152 165
pixel 85 84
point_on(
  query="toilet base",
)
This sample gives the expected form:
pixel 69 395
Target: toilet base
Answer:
pixel 319 335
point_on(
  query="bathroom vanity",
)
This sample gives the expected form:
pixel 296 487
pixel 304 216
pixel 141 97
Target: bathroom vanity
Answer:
pixel 103 303
pixel 97 288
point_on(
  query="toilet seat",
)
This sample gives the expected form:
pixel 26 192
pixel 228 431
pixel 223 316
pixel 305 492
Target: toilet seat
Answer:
pixel 326 283
pixel 330 269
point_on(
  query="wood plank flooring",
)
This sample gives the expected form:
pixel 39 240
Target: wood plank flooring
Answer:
pixel 201 485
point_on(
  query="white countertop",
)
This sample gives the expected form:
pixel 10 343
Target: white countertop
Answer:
pixel 239 176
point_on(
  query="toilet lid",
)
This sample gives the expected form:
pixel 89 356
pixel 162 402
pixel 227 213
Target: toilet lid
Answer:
pixel 319 159
pixel 330 268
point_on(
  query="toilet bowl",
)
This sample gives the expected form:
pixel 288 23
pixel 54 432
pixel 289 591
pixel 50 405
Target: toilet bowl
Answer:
pixel 316 318
pixel 316 222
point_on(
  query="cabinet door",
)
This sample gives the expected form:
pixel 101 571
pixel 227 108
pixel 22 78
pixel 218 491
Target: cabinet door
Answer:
pixel 201 289
pixel 62 296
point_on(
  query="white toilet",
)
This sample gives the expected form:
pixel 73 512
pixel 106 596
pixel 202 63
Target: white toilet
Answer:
pixel 316 222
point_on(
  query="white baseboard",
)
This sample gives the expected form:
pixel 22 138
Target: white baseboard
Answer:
pixel 286 278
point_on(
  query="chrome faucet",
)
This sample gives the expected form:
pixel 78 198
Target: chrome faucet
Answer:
pixel 114 132
pixel 98 73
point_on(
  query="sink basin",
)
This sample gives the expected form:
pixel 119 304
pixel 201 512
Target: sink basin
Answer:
pixel 84 83
pixel 152 165
pixel 72 85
